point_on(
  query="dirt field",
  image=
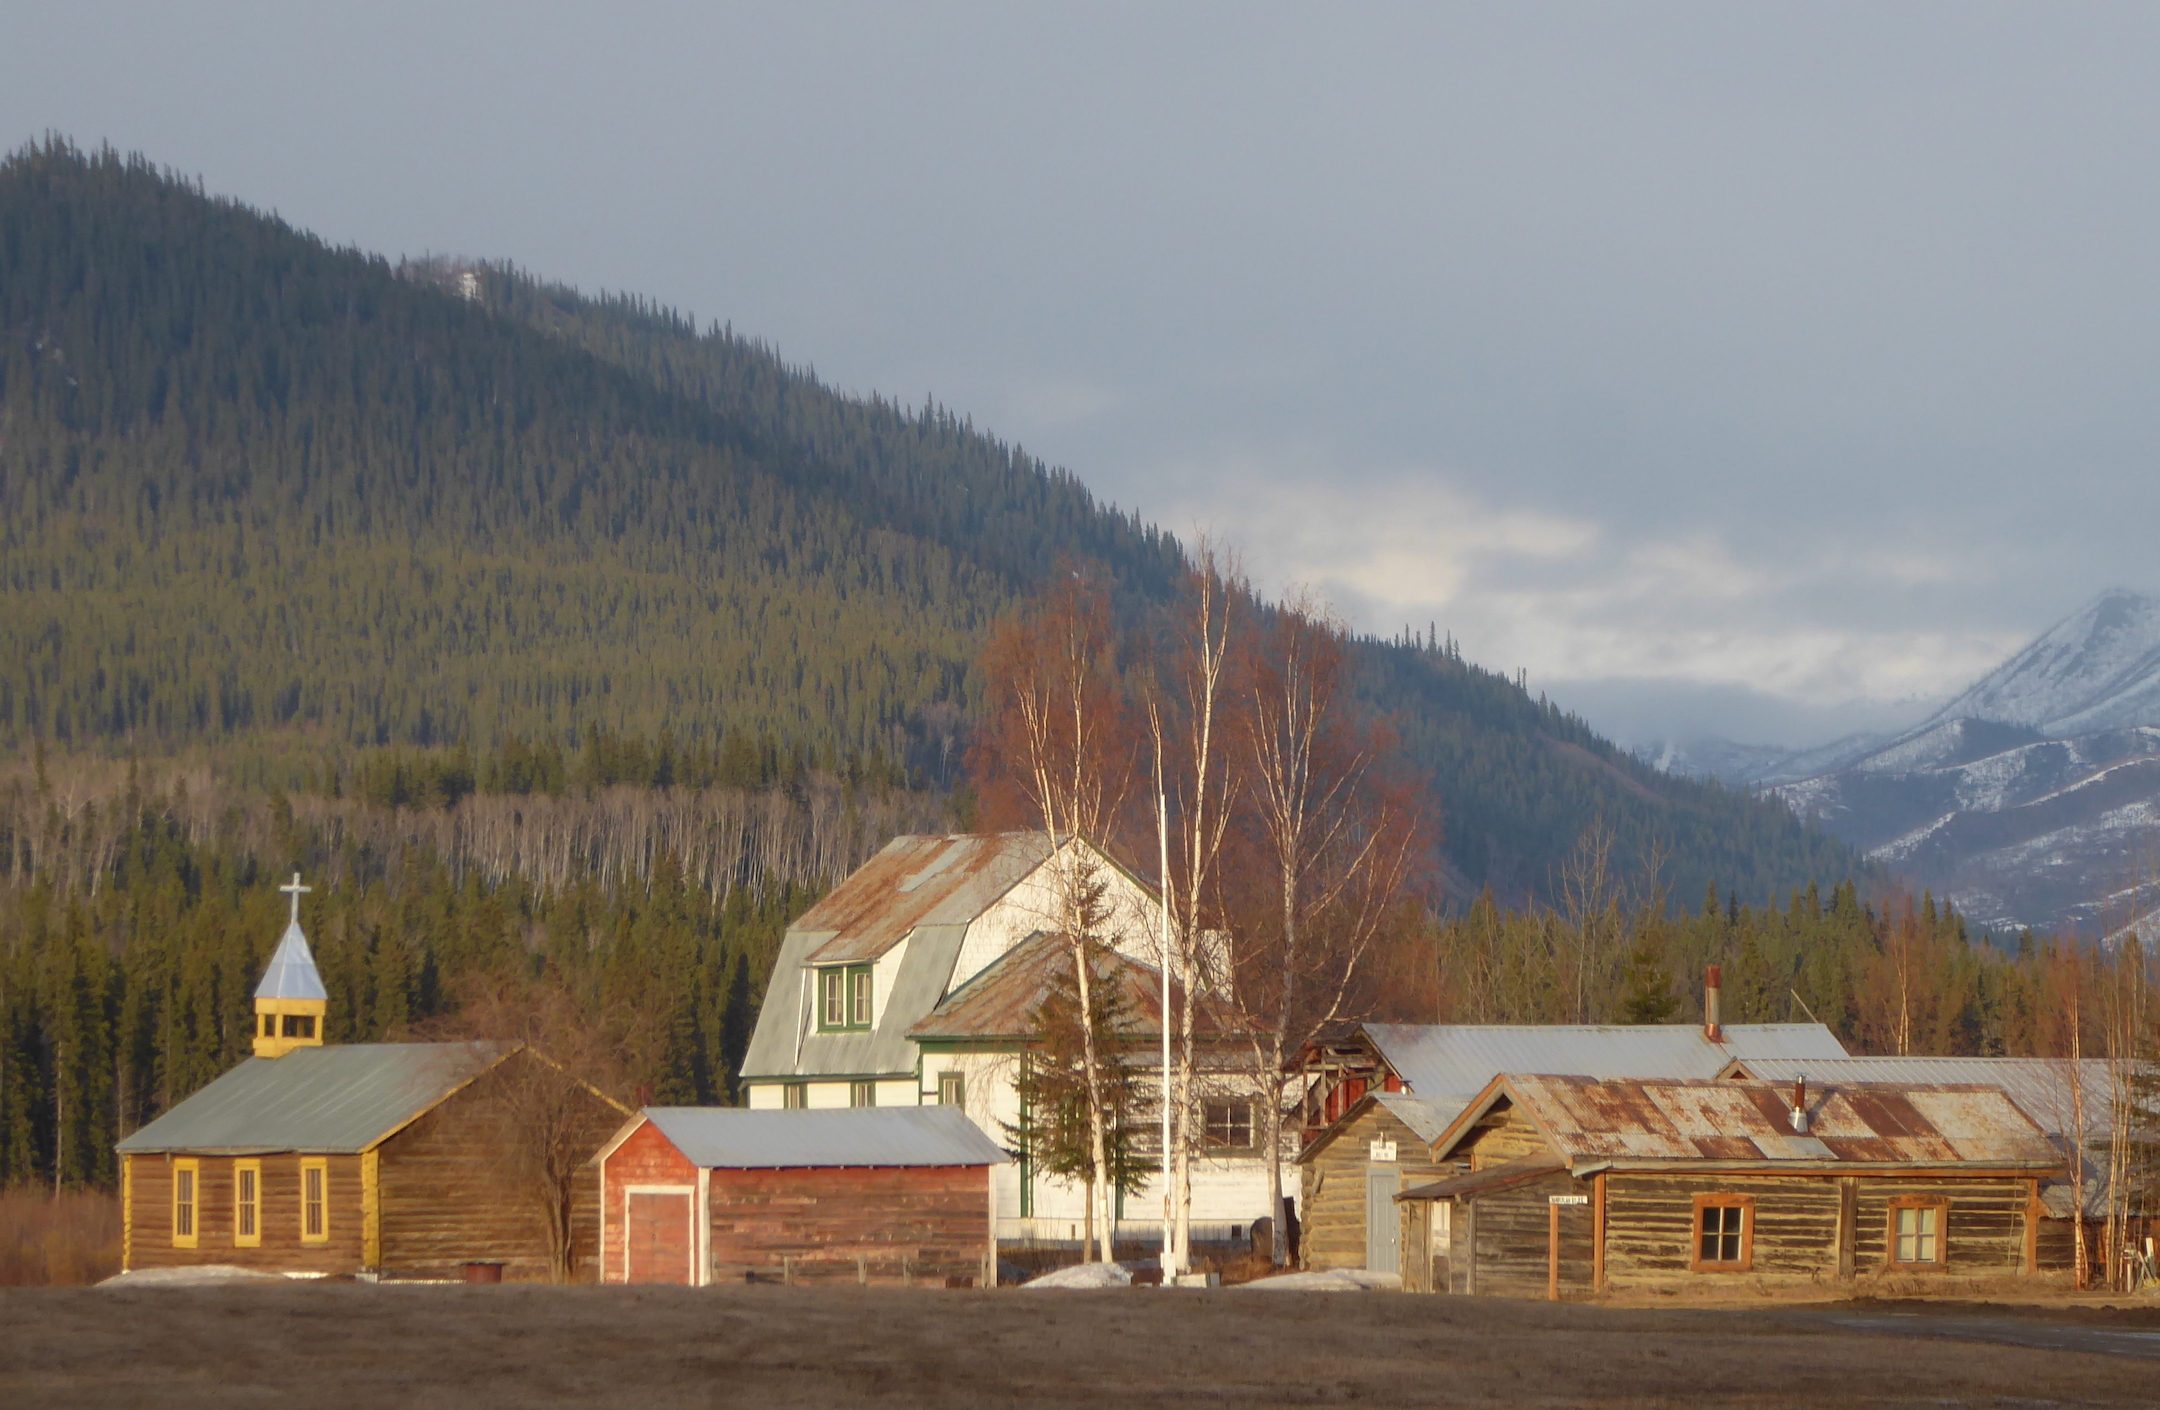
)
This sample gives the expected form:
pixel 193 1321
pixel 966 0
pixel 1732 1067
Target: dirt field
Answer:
pixel 336 1345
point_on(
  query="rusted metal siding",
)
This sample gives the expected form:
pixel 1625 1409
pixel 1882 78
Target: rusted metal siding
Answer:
pixel 921 1224
pixel 645 1157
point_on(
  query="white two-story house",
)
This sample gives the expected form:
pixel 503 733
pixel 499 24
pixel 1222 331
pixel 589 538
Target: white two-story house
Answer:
pixel 915 982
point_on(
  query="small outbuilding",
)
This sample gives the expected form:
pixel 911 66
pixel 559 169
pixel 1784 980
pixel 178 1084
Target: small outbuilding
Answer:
pixel 894 1195
pixel 1571 1186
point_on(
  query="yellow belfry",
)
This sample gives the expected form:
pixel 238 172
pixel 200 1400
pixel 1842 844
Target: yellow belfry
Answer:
pixel 291 1001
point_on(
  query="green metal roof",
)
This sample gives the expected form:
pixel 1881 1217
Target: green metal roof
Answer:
pixel 322 1101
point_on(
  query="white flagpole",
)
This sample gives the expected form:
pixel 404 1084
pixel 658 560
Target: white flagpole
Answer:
pixel 1162 837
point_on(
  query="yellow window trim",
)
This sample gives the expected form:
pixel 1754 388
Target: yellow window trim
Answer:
pixel 187 1213
pixel 247 1204
pixel 322 1165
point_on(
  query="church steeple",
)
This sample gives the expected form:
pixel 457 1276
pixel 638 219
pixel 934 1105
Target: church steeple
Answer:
pixel 291 1001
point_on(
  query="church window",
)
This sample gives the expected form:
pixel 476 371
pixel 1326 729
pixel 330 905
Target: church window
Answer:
pixel 247 1204
pixel 315 1201
pixel 186 1197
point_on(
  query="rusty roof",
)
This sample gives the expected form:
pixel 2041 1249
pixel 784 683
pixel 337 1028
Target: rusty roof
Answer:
pixel 2042 1087
pixel 1732 1122
pixel 918 880
pixel 1492 1177
pixel 1001 1001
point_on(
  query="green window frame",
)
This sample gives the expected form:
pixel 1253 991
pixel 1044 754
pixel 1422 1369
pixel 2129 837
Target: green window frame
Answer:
pixel 845 998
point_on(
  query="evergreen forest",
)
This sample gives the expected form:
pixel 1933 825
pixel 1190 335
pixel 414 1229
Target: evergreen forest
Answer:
pixel 550 635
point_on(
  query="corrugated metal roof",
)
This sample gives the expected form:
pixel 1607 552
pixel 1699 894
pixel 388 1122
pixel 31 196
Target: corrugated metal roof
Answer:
pixel 1590 1121
pixel 1492 1177
pixel 292 973
pixel 1446 1065
pixel 1457 1060
pixel 327 1101
pixel 786 1042
pixel 731 1138
pixel 1001 1001
pixel 917 881
pixel 1428 1119
pixel 2040 1086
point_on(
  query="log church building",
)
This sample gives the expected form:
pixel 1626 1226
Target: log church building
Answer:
pixel 379 1159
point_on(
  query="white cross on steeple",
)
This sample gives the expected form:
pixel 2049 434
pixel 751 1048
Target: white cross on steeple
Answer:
pixel 296 891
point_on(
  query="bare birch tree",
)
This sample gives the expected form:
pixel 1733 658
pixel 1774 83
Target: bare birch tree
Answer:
pixel 1333 854
pixel 1197 788
pixel 1060 735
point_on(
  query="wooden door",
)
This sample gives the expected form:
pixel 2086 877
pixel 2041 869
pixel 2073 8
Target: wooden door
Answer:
pixel 660 1237
pixel 1383 1221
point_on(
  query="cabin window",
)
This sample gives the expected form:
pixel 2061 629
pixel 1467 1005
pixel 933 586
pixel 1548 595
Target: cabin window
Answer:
pixel 951 1089
pixel 1916 1232
pixel 795 1096
pixel 862 1094
pixel 844 998
pixel 1724 1233
pixel 186 1196
pixel 269 1025
pixel 299 1025
pixel 247 1204
pixel 314 1201
pixel 1229 1125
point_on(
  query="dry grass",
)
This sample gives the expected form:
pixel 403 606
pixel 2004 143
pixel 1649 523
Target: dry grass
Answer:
pixel 329 1345
pixel 44 1240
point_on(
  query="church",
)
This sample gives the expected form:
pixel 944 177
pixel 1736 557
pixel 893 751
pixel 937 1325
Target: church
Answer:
pixel 378 1160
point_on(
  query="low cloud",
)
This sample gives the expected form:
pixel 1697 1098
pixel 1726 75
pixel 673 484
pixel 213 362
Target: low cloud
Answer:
pixel 1715 624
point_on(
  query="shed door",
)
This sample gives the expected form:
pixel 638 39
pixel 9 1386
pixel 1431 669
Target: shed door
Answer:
pixel 1383 1220
pixel 662 1243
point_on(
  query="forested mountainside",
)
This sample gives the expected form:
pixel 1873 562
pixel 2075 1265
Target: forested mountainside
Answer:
pixel 276 499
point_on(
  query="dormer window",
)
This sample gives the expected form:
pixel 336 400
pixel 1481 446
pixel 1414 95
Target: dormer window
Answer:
pixel 844 999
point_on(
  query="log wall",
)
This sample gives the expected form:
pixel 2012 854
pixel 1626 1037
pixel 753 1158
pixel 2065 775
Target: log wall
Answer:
pixel 1333 1202
pixel 449 1196
pixel 1507 1233
pixel 149 1218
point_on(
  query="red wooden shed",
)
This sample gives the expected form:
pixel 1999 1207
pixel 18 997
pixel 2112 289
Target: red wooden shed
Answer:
pixel 695 1195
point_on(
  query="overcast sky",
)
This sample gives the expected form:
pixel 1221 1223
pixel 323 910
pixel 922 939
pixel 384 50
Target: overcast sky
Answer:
pixel 1747 369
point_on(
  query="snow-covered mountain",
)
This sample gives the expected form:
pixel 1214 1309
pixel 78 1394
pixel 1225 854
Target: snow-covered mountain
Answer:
pixel 2033 798
pixel 2097 669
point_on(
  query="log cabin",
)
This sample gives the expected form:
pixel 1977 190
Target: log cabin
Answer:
pixel 2075 1102
pixel 699 1195
pixel 1377 1098
pixel 379 1160
pixel 1565 1187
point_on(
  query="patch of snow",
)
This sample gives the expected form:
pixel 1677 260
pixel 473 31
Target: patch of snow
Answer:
pixel 202 1275
pixel 1084 1275
pixel 1334 1280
